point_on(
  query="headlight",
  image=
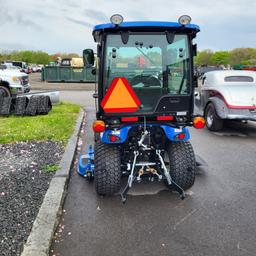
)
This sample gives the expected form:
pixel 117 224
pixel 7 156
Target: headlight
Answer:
pixel 116 19
pixel 16 79
pixel 184 20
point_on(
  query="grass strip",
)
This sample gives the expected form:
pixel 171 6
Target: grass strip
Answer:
pixel 56 126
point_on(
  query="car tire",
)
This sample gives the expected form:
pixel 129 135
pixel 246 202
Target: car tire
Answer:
pixel 32 106
pixel 6 106
pixel 20 106
pixel 181 162
pixel 4 92
pixel 107 172
pixel 44 105
pixel 213 122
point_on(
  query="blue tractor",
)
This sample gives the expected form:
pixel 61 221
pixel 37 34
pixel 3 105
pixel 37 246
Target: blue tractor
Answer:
pixel 145 101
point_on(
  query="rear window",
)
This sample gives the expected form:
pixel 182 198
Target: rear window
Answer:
pixel 238 79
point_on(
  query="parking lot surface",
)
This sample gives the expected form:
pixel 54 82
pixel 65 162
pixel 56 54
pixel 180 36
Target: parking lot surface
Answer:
pixel 216 218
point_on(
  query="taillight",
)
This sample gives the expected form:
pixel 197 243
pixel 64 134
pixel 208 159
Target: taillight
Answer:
pixel 199 122
pixel 180 136
pixel 129 119
pixel 164 118
pixel 98 126
pixel 113 138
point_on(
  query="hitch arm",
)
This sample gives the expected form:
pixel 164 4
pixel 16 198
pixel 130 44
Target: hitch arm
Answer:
pixel 131 178
pixel 123 194
pixel 169 179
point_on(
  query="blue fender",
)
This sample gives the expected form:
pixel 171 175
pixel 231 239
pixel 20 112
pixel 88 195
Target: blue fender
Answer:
pixel 172 132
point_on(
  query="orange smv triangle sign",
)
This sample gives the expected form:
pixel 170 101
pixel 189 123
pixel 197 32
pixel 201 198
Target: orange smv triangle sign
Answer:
pixel 120 97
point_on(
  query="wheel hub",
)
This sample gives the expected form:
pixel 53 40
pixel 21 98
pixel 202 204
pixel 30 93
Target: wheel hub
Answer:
pixel 209 118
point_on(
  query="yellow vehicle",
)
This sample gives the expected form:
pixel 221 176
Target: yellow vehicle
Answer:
pixel 72 62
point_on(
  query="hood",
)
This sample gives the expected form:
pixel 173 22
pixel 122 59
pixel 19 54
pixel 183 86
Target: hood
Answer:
pixel 239 95
pixel 11 72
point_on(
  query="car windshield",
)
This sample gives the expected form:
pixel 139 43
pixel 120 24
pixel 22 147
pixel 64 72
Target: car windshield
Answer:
pixel 152 66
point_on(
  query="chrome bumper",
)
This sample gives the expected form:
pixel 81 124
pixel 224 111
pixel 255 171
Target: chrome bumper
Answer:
pixel 20 89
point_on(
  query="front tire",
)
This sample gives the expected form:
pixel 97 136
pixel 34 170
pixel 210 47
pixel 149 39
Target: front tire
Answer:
pixel 4 92
pixel 182 163
pixel 213 122
pixel 107 173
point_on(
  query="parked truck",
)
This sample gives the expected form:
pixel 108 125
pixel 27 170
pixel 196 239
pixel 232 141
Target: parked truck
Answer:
pixel 13 82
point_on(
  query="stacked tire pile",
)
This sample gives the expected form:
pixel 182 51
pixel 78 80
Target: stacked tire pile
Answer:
pixel 24 106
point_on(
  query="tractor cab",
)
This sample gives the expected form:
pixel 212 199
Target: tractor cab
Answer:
pixel 155 60
pixel 145 100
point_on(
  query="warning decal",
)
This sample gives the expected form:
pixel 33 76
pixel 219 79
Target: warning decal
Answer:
pixel 120 97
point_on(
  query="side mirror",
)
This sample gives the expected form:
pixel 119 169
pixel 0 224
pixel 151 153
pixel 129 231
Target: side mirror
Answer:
pixel 88 56
pixel 194 48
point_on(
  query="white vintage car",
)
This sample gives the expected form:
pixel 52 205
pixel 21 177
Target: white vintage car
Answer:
pixel 227 94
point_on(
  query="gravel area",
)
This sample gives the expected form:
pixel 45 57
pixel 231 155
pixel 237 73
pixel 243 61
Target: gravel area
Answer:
pixel 23 184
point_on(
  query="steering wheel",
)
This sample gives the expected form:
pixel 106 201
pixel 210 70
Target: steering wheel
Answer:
pixel 147 80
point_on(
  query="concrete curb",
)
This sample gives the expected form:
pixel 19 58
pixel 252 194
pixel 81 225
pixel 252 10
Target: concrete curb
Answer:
pixel 39 240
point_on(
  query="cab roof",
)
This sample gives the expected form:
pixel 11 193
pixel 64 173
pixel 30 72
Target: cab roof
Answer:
pixel 148 24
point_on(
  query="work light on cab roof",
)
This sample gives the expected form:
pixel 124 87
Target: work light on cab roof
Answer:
pixel 184 20
pixel 116 19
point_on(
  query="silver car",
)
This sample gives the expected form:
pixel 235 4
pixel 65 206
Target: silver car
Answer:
pixel 227 94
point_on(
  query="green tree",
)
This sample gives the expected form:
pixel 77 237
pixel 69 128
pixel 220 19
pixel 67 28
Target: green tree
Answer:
pixel 245 56
pixel 32 57
pixel 204 58
pixel 41 58
pixel 220 58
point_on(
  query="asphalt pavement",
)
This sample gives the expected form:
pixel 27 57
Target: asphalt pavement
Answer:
pixel 218 217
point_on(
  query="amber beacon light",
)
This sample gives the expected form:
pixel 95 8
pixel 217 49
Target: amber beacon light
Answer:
pixel 98 126
pixel 199 122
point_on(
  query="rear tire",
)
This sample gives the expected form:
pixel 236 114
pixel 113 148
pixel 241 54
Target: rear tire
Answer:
pixel 107 173
pixel 213 122
pixel 182 163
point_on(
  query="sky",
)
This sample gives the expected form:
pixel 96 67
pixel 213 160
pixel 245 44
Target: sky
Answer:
pixel 66 25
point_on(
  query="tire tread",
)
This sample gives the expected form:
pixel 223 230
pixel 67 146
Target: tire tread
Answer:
pixel 107 168
pixel 182 163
